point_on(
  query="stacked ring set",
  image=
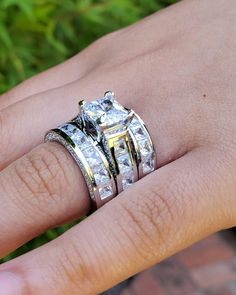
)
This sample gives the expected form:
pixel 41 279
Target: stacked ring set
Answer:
pixel 110 144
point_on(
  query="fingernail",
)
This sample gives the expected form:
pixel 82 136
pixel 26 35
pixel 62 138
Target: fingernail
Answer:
pixel 11 284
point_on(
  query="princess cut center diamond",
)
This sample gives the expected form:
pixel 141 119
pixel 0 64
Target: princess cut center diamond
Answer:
pixel 105 110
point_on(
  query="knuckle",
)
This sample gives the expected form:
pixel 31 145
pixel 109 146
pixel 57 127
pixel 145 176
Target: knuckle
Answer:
pixel 101 45
pixel 107 38
pixel 152 217
pixel 41 175
pixel 5 97
pixel 72 266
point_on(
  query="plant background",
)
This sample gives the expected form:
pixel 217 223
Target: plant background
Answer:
pixel 37 34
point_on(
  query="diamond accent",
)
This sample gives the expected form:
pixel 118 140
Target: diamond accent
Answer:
pixel 81 140
pixel 76 135
pixel 145 147
pixel 126 183
pixel 123 159
pixel 135 123
pixel 92 157
pixel 120 147
pixel 148 165
pixel 139 133
pixel 101 175
pixel 128 180
pixel 69 129
pixel 144 143
pixel 124 163
pixel 138 129
pixel 105 191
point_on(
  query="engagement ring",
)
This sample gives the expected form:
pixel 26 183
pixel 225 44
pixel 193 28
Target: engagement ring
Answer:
pixel 111 145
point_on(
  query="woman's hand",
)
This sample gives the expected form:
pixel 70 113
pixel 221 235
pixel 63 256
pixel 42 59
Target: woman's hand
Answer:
pixel 177 69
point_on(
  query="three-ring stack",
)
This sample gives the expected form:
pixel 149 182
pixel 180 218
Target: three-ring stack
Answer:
pixel 110 144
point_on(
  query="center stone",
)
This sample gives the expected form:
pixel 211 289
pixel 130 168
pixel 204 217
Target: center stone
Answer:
pixel 106 111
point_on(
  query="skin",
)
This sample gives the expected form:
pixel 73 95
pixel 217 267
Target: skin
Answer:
pixel 177 70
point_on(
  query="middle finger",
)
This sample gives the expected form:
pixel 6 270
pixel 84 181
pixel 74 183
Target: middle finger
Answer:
pixel 23 125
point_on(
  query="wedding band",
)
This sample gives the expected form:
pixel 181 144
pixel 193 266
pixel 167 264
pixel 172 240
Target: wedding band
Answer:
pixel 107 122
pixel 144 149
pixel 111 145
pixel 91 160
pixel 120 131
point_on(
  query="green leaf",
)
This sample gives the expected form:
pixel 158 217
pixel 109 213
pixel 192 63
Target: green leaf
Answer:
pixel 26 6
pixel 5 37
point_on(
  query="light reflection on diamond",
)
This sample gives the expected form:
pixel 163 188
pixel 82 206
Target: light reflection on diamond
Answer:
pixel 93 110
pixel 144 144
pixel 120 147
pixel 145 147
pixel 148 164
pixel 128 179
pixel 81 140
pixel 139 133
pixel 93 158
pixel 76 135
pixel 134 123
pixel 105 108
pixel 101 175
pixel 68 129
pixel 105 191
pixel 124 163
pixel 126 183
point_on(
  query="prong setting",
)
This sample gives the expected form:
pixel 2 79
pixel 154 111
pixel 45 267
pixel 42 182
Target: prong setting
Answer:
pixel 81 104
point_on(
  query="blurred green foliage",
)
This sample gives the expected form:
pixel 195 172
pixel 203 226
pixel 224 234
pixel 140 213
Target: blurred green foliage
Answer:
pixel 37 34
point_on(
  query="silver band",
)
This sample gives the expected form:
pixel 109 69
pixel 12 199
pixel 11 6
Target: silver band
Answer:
pixel 144 149
pixel 91 160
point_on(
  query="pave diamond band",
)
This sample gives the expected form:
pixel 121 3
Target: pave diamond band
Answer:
pixel 108 122
pixel 110 144
pixel 144 150
pixel 91 160
pixel 117 147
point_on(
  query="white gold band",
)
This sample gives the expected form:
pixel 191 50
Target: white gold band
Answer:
pixel 144 149
pixel 91 160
